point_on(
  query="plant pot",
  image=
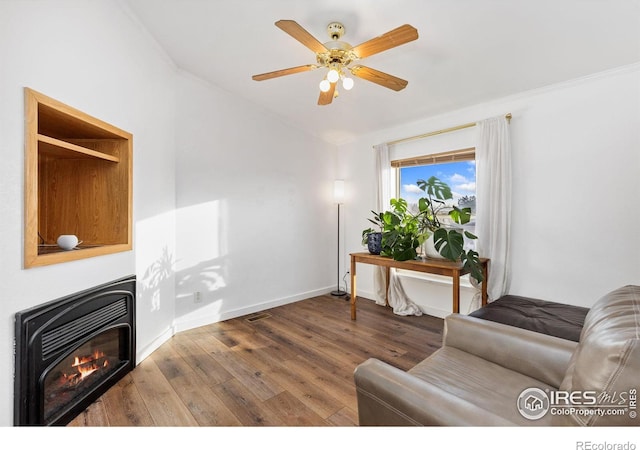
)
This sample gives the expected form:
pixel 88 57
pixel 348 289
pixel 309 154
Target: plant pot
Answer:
pixel 429 249
pixel 374 243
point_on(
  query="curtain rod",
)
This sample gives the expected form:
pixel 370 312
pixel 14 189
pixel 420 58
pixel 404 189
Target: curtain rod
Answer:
pixel 445 130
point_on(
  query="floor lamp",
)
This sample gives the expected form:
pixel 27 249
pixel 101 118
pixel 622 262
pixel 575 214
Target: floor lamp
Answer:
pixel 338 197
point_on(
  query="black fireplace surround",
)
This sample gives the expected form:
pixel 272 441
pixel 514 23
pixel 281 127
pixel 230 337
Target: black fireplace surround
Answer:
pixel 71 350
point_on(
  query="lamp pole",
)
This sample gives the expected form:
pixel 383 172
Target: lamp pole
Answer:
pixel 338 194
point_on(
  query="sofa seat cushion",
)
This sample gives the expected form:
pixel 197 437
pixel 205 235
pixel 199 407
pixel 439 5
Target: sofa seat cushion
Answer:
pixel 555 319
pixel 607 360
pixel 485 384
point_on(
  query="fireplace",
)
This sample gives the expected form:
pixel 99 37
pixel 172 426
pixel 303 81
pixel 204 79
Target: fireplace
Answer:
pixel 72 350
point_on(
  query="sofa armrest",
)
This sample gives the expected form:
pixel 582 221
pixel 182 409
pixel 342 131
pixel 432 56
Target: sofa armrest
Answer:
pixel 388 396
pixel 540 356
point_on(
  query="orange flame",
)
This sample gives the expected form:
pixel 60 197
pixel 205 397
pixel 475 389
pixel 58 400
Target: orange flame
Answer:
pixel 86 365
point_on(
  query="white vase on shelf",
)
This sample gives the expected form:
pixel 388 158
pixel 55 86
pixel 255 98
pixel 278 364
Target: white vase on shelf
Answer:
pixel 429 249
pixel 67 241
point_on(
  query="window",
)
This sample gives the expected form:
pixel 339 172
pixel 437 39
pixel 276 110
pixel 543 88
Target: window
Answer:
pixel 456 168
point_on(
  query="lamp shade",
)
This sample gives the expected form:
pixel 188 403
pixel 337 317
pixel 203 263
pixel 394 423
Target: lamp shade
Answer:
pixel 338 191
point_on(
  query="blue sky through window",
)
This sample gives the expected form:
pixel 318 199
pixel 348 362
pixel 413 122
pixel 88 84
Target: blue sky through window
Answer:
pixel 460 176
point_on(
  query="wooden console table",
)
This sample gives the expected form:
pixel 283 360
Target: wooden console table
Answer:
pixel 435 266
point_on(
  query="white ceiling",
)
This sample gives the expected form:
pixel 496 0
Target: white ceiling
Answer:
pixel 468 52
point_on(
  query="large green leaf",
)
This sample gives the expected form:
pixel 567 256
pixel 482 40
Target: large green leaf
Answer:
pixel 459 215
pixel 405 254
pixel 423 204
pixel 399 205
pixel 390 219
pixel 471 262
pixel 436 188
pixel 449 243
pixel 470 235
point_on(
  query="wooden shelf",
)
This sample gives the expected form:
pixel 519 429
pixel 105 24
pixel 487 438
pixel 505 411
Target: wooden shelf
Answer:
pixel 78 180
pixel 61 149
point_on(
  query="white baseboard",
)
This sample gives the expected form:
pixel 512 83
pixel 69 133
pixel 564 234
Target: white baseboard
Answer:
pixel 365 294
pixel 143 353
pixel 190 323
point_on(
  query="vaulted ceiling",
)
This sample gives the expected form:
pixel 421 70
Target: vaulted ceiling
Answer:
pixel 468 52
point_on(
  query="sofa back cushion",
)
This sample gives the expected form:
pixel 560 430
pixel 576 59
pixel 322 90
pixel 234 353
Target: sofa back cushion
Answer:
pixel 606 363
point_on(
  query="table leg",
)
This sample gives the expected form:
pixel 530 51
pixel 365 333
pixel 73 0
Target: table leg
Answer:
pixel 386 286
pixel 485 276
pixel 456 292
pixel 353 288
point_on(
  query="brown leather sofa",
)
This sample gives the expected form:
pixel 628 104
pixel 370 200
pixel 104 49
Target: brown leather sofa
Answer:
pixel 488 373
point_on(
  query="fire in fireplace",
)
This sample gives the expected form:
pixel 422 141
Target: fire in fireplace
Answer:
pixel 79 372
pixel 72 350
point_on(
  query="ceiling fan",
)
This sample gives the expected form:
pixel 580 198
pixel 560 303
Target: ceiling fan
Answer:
pixel 337 55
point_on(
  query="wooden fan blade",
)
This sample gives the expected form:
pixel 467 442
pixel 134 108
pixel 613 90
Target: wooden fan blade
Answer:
pixel 327 97
pixel 293 29
pixel 280 73
pixel 391 39
pixel 381 78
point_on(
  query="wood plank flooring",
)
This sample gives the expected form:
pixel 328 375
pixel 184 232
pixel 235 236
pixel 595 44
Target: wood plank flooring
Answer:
pixel 293 366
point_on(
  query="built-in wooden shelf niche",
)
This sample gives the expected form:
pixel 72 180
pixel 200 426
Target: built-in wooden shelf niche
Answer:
pixel 78 180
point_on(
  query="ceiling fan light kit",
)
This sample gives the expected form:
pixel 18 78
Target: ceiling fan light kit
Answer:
pixel 325 85
pixel 336 56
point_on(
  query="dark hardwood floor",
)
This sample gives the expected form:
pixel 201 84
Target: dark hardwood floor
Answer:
pixel 291 366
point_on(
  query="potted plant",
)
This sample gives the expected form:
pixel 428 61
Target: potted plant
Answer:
pixel 371 238
pixel 402 232
pixel 399 232
pixel 448 241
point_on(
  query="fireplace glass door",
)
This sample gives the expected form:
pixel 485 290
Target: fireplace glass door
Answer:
pixel 78 373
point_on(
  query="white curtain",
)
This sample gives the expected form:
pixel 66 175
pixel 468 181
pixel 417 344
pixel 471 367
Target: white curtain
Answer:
pixel 398 300
pixel 493 193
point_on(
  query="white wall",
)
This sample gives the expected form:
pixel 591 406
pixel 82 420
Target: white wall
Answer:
pixel 576 187
pixel 92 56
pixel 255 220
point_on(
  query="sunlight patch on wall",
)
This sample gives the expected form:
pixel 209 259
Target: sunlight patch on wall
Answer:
pixel 201 260
pixel 202 235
